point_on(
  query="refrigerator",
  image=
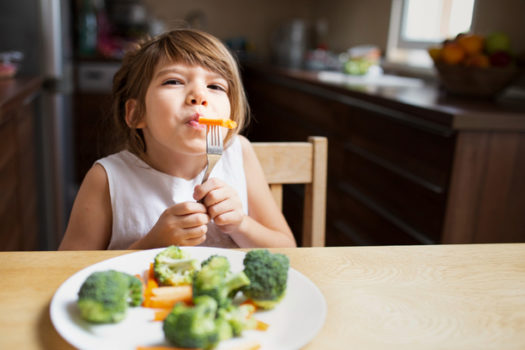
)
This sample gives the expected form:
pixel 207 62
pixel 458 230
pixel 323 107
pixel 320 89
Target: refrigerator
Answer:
pixel 41 30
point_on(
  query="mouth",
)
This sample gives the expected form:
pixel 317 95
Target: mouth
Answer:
pixel 193 121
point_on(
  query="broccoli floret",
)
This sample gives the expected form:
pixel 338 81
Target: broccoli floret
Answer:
pixel 268 275
pixel 215 280
pixel 173 266
pixel 224 328
pixel 105 295
pixel 238 317
pixel 194 326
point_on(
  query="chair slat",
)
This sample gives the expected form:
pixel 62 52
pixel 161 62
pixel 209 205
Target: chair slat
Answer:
pixel 277 193
pixel 286 162
pixel 299 163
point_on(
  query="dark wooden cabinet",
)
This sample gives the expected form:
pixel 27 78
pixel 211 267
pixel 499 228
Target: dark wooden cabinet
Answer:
pixel 394 167
pixel 91 119
pixel 18 195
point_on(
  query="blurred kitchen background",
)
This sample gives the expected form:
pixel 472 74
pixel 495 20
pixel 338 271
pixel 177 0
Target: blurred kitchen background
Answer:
pixel 341 57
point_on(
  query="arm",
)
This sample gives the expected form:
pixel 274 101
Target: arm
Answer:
pixel 265 225
pixel 90 222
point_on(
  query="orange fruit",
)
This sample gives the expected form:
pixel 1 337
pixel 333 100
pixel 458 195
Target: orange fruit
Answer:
pixel 480 60
pixel 471 43
pixel 434 53
pixel 452 53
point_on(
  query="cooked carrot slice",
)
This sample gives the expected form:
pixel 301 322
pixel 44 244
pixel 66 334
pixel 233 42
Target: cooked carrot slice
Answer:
pixel 167 297
pixel 226 123
pixel 261 326
pixel 160 315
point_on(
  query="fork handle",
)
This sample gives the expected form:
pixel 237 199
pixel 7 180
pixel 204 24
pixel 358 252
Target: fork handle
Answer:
pixel 212 160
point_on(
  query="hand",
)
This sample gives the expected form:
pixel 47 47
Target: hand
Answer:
pixel 223 204
pixel 182 224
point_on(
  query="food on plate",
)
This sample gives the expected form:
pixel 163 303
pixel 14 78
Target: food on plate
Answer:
pixel 199 303
pixel 239 318
pixel 166 297
pixel 268 275
pixel 226 123
pixel 196 326
pixel 217 281
pixel 204 324
pixel 105 295
pixel 173 267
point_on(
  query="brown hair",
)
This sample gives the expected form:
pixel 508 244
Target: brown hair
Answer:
pixel 183 45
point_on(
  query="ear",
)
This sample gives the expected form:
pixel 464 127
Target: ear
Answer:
pixel 131 119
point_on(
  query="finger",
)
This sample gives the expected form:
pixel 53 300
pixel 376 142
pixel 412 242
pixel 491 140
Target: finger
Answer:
pixel 200 191
pixel 216 196
pixel 196 240
pixel 218 207
pixel 194 220
pixel 227 218
pixel 186 208
pixel 195 232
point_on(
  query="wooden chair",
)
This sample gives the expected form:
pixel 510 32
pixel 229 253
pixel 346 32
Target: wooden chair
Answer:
pixel 299 163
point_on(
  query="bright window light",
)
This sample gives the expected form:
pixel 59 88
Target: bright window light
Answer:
pixel 417 24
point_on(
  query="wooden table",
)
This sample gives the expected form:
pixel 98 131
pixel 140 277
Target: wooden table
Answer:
pixel 390 297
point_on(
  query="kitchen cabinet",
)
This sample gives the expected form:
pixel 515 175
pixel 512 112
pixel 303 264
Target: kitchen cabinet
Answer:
pixel 18 196
pixel 407 165
pixel 92 112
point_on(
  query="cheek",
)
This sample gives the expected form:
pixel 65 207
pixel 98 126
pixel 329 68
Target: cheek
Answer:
pixel 225 107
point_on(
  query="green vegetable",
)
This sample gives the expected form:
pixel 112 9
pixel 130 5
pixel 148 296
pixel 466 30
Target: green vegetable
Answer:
pixel 195 326
pixel 239 318
pixel 173 267
pixel 268 275
pixel 215 280
pixel 105 295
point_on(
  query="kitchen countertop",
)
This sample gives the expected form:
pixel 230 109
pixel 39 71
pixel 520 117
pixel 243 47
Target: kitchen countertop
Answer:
pixel 388 297
pixel 416 97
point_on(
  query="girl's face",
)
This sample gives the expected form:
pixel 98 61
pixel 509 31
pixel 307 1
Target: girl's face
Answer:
pixel 177 96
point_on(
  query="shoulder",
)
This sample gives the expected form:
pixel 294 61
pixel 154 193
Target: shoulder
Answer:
pixel 246 145
pixel 115 158
pixel 96 178
pixel 250 159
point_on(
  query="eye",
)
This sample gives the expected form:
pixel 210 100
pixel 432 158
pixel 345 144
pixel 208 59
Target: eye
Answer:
pixel 217 87
pixel 172 82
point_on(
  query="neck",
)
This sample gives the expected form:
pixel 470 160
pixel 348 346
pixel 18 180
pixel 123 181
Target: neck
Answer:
pixel 185 166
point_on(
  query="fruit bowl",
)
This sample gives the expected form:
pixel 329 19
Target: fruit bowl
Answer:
pixel 475 81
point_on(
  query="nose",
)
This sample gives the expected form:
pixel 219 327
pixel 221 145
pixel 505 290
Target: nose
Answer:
pixel 196 97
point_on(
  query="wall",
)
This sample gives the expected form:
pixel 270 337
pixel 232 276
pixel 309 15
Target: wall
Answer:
pixel 349 22
pixel 354 22
pixel 254 19
pixel 502 15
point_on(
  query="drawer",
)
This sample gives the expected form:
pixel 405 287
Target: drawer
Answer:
pixel 305 110
pixel 395 194
pixel 424 154
pixel 361 225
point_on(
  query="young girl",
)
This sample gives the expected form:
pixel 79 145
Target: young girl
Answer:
pixel 150 194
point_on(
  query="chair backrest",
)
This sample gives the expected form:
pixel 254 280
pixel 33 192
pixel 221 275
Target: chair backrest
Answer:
pixel 299 163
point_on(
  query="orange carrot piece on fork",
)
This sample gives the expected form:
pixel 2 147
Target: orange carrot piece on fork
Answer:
pixel 226 123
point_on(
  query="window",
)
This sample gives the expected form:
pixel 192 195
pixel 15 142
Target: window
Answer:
pixel 417 24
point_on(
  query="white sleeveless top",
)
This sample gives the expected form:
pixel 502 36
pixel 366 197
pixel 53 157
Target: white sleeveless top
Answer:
pixel 139 194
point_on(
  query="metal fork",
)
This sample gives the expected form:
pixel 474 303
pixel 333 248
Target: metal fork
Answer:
pixel 214 148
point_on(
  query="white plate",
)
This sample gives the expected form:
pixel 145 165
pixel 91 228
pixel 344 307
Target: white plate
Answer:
pixel 293 323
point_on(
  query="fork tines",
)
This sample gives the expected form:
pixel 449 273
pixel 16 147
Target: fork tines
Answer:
pixel 214 140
